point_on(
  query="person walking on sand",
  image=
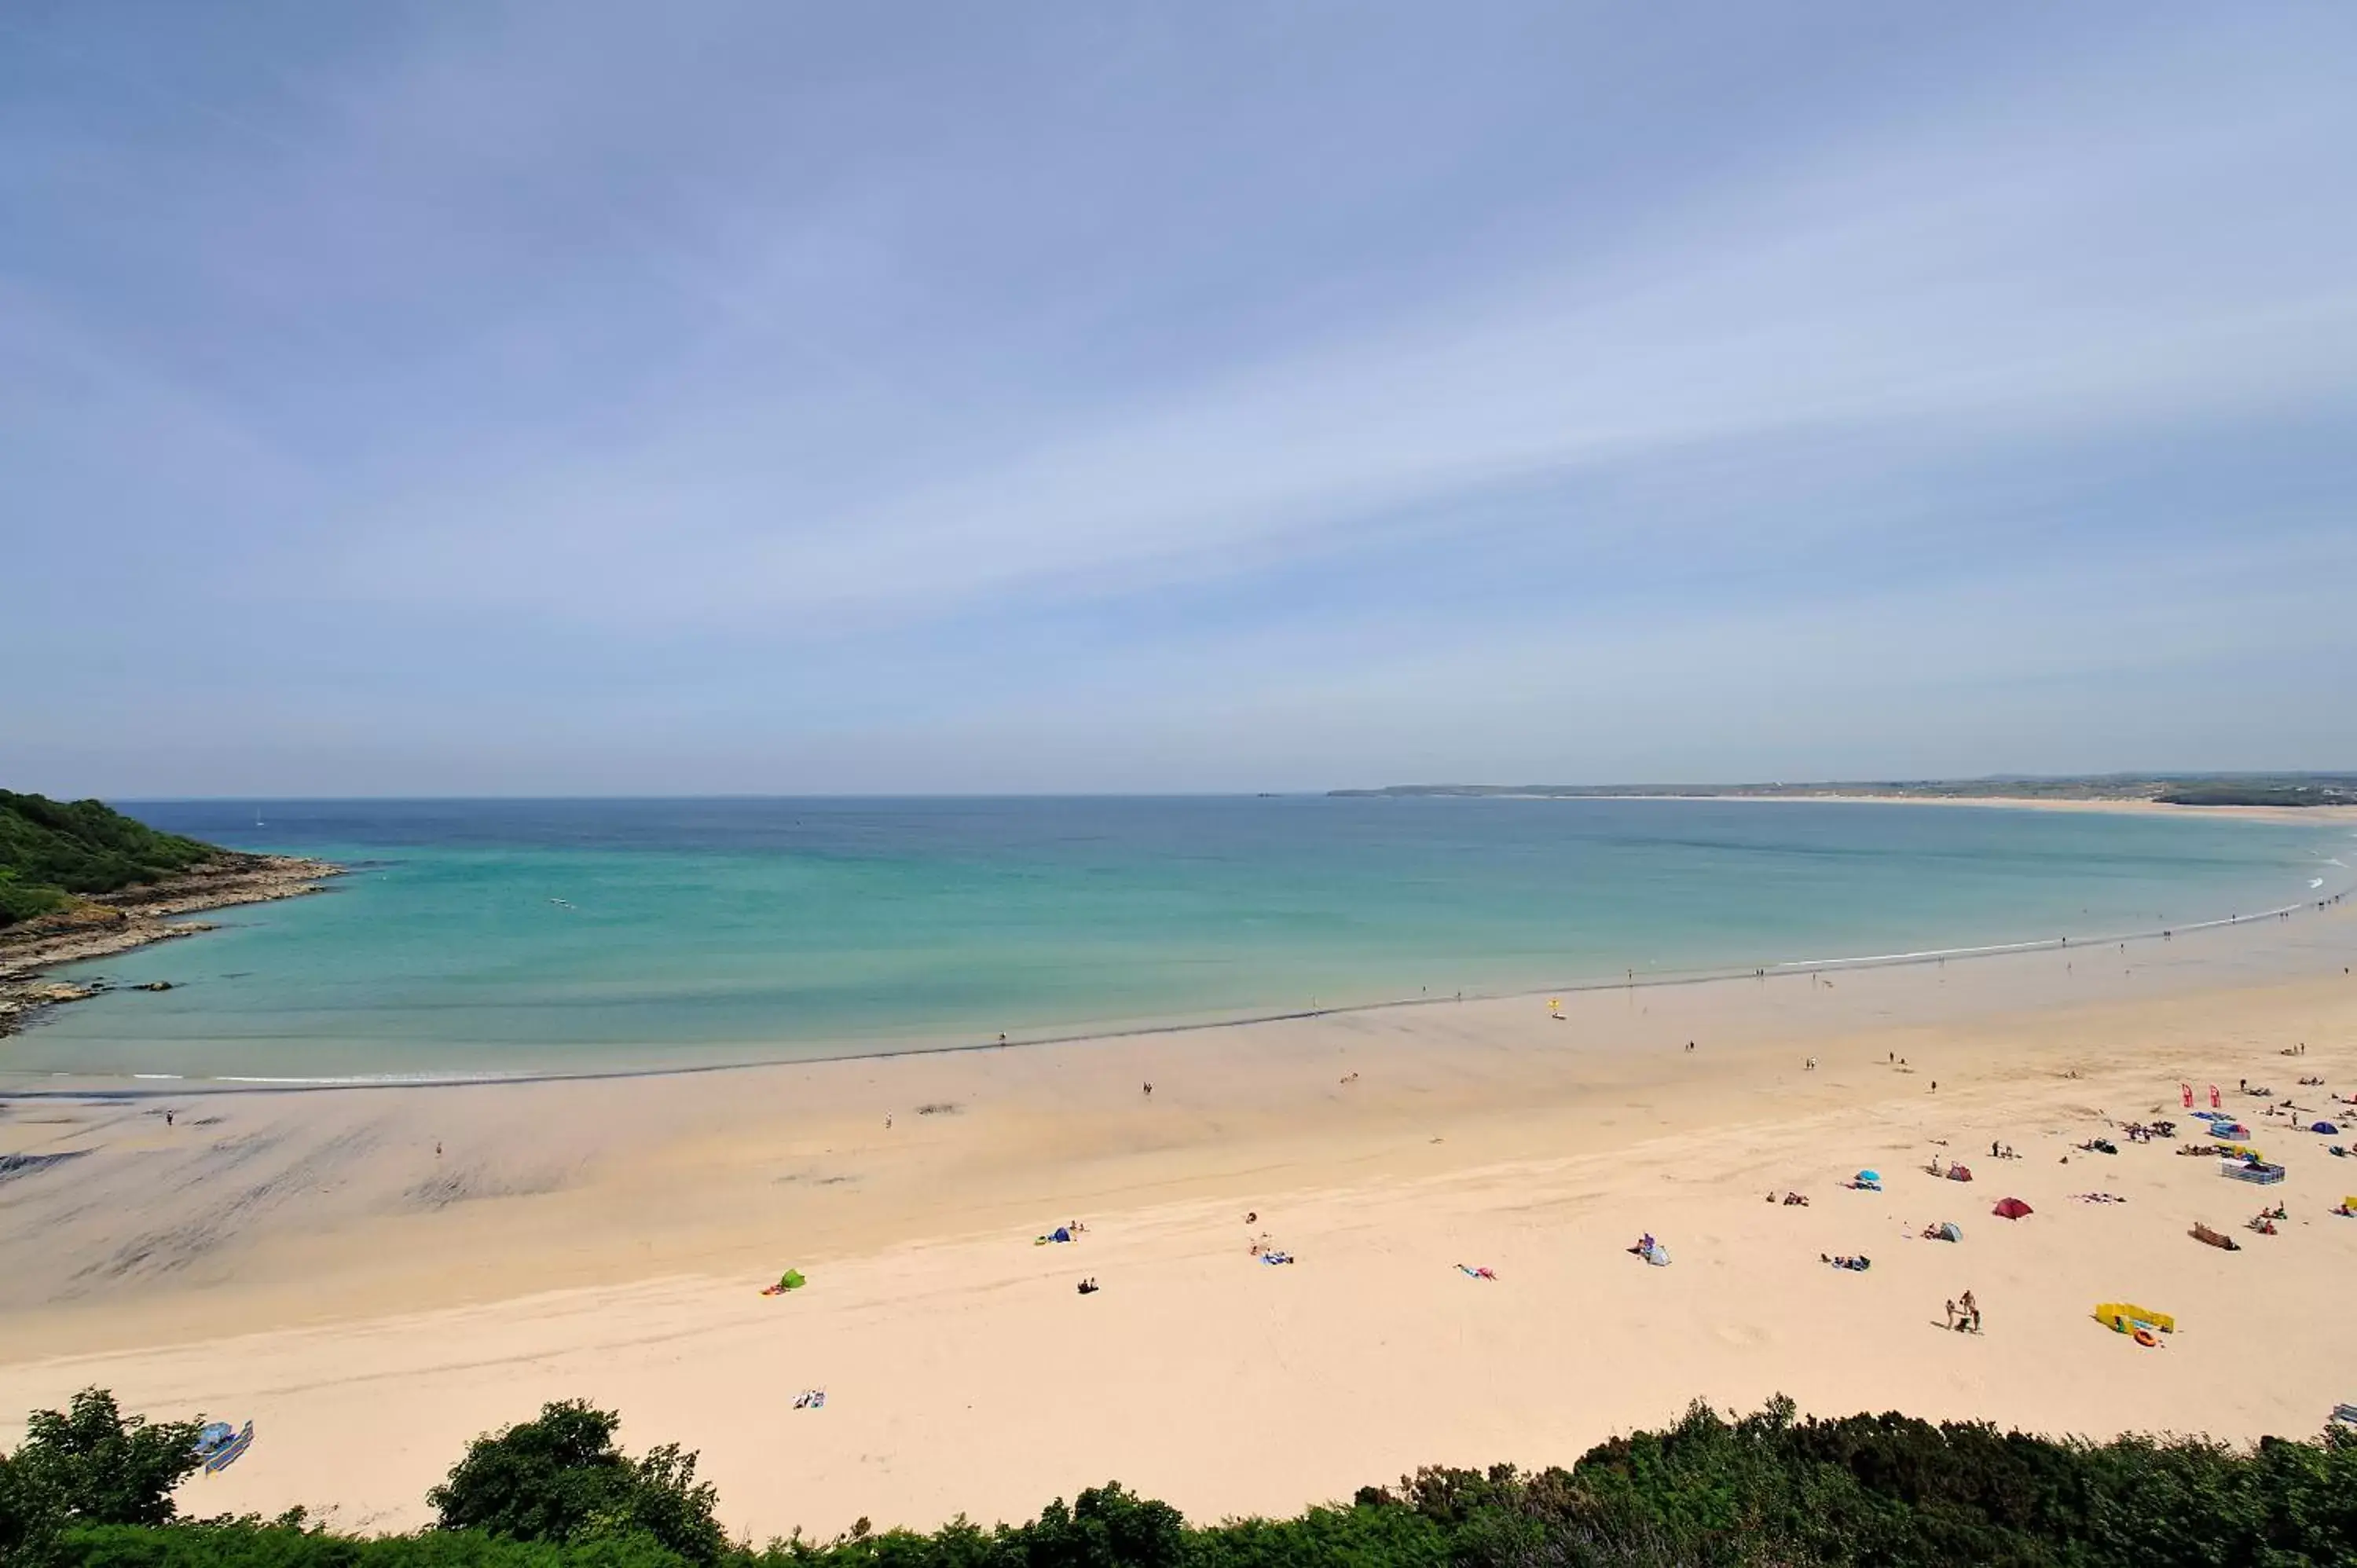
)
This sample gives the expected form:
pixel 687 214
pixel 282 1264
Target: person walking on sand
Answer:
pixel 1952 1312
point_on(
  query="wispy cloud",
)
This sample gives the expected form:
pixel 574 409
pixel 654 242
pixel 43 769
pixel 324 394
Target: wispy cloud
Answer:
pixel 804 375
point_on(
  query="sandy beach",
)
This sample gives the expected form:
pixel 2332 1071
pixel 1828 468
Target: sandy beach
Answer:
pixel 373 1276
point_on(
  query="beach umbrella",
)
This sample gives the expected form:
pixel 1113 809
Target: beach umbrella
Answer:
pixel 2011 1208
pixel 1869 1175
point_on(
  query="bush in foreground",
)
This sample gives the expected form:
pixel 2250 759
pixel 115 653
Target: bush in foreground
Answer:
pixel 1766 1489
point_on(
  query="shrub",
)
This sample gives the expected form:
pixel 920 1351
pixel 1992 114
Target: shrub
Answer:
pixel 561 1478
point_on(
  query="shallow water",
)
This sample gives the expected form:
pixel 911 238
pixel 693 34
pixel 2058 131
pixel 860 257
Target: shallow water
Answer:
pixel 530 936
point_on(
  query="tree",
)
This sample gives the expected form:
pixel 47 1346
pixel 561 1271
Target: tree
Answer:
pixel 94 1465
pixel 89 1464
pixel 1106 1527
pixel 561 1478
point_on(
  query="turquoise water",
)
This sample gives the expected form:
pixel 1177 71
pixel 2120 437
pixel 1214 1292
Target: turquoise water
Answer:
pixel 696 931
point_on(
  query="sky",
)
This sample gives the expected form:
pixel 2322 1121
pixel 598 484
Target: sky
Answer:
pixel 586 398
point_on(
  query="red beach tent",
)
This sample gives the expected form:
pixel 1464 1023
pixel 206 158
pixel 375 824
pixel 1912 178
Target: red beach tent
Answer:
pixel 2011 1208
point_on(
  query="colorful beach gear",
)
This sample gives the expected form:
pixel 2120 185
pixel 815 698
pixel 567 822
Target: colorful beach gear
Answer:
pixel 219 1447
pixel 2012 1209
pixel 2124 1317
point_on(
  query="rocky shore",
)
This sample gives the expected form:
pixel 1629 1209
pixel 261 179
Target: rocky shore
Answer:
pixel 116 922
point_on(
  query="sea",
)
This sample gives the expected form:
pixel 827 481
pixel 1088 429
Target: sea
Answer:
pixel 531 937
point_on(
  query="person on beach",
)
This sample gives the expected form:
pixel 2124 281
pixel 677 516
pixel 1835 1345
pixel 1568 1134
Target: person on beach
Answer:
pixel 1952 1312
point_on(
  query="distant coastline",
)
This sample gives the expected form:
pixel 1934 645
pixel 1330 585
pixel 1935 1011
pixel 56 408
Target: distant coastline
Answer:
pixel 2306 794
pixel 102 925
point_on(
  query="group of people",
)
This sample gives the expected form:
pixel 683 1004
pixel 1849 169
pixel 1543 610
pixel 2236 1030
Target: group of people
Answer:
pixel 1964 1314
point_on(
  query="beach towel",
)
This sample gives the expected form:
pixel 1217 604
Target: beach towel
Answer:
pixel 1276 1257
pixel 1481 1274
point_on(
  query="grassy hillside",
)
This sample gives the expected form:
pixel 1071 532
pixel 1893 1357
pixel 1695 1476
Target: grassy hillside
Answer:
pixel 51 849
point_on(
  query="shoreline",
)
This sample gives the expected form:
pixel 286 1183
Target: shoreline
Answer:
pixel 2132 805
pixel 139 1086
pixel 103 925
pixel 324 1265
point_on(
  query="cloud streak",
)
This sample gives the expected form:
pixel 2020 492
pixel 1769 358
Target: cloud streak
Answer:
pixel 780 377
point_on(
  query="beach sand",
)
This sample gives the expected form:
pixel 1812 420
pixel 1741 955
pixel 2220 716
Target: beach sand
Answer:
pixel 310 1262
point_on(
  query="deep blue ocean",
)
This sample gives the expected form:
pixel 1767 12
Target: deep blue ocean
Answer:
pixel 503 936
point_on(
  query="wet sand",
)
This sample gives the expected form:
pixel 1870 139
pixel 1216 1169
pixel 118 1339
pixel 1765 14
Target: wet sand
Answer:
pixel 309 1261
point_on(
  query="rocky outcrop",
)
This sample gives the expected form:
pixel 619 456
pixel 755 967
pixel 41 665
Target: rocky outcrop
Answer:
pixel 116 922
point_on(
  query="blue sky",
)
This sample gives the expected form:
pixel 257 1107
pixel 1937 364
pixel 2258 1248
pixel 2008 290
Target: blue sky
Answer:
pixel 588 398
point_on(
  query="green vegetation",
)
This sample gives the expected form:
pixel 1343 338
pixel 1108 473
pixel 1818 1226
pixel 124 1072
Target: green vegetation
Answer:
pixel 89 1489
pixel 89 1464
pixel 51 849
pixel 2261 793
pixel 560 1478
